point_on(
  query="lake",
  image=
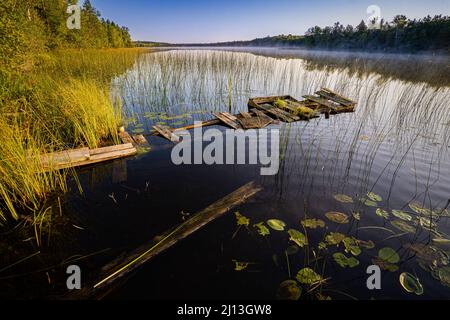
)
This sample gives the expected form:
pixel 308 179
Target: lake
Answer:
pixel 384 170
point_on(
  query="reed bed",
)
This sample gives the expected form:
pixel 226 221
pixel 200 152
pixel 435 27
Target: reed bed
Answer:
pixel 63 103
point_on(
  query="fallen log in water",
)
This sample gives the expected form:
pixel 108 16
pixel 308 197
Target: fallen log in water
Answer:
pixel 119 268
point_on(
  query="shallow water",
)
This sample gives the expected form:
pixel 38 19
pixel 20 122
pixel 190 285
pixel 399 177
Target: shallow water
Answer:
pixel 395 145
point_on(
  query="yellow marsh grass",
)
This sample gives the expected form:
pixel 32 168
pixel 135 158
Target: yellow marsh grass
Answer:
pixel 67 105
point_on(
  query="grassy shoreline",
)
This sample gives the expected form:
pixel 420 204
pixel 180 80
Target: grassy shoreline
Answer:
pixel 63 102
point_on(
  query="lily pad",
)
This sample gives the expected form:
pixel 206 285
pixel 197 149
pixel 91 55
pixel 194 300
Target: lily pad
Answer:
pixel 382 213
pixel 337 217
pixel 374 197
pixel 389 255
pixel 343 198
pixel 342 260
pixel 298 237
pixel 368 202
pixel 289 290
pixel 403 226
pixel 384 265
pixel 411 283
pixel 351 245
pixel 241 220
pixel 262 229
pixel 402 215
pixel 276 224
pixel 308 276
pixel 335 238
pixel 313 223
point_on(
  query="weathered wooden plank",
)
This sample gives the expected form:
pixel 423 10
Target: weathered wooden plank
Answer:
pixel 231 123
pixel 245 114
pixel 98 158
pixel 286 114
pixel 229 116
pixel 67 157
pixel 118 147
pixel 274 111
pixel 126 138
pixel 122 267
pixel 334 98
pixel 335 94
pixel 254 123
pixel 262 114
pixel 321 101
pixel 166 133
pixel 141 141
pixel 206 123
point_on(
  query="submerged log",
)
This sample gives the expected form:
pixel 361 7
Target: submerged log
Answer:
pixel 121 267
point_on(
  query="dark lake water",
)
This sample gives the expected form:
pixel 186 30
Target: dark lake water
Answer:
pixel 395 147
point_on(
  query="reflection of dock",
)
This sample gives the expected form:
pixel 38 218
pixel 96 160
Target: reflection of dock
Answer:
pixel 267 110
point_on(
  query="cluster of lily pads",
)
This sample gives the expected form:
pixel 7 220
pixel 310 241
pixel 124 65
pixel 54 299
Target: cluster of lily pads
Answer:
pixel 430 258
pixel 346 249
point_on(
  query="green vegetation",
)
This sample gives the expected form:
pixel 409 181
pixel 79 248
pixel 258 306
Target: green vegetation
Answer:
pixel 52 94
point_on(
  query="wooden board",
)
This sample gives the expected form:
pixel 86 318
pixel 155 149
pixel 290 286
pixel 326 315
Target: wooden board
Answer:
pixel 123 266
pixel 201 124
pixel 245 114
pixel 224 117
pixel 97 158
pixel 166 133
pixel 140 141
pixel 321 101
pixel 254 123
pixel 334 98
pixel 263 115
pixel 118 147
pixel 337 95
pixel 273 112
pixel 126 138
pixel 64 158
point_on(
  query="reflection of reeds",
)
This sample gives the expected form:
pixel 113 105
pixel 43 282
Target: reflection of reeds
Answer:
pixel 395 116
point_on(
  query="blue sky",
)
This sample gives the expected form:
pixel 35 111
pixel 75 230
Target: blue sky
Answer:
pixel 211 20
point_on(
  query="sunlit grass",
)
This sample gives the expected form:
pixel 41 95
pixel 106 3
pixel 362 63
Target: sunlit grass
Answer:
pixel 63 103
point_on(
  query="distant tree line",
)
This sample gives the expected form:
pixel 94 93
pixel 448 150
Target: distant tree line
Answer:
pixel 400 35
pixel 30 27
